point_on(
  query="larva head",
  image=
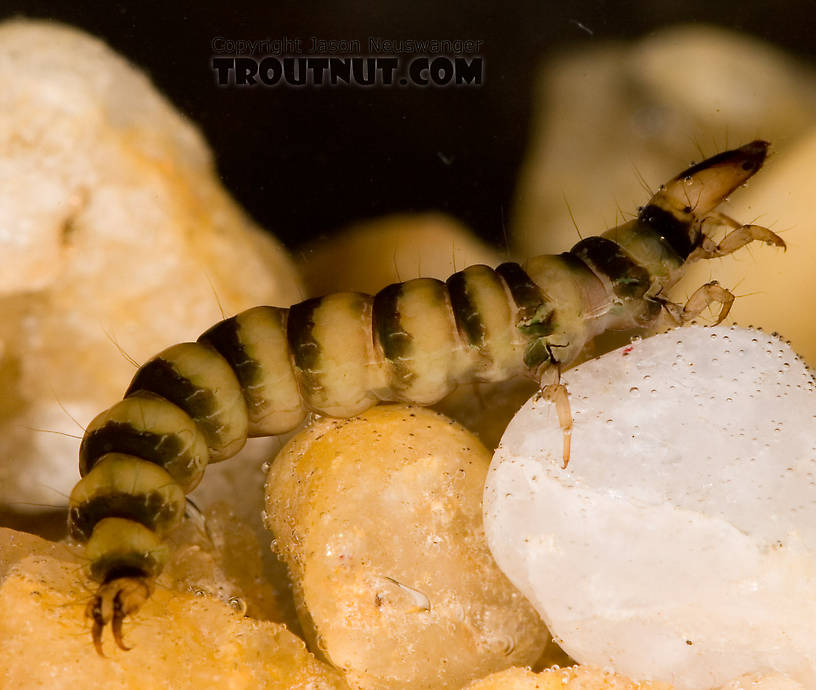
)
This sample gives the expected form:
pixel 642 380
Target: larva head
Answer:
pixel 698 190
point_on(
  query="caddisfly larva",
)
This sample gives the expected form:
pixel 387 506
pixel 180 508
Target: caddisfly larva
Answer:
pixel 260 372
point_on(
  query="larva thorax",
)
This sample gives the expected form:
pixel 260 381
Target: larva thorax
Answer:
pixel 260 372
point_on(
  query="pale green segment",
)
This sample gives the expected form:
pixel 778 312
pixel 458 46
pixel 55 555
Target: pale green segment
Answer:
pixel 153 414
pixel 578 299
pixel 227 423
pixel 117 473
pixel 276 405
pixel 650 250
pixel 348 370
pixel 436 353
pixel 118 542
pixel 501 356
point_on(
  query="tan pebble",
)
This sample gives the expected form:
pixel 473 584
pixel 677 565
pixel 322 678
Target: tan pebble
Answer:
pixel 379 519
pixel 573 678
pixel 218 554
pixel 367 256
pixel 115 229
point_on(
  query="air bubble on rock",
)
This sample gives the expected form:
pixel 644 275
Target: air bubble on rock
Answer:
pixel 237 604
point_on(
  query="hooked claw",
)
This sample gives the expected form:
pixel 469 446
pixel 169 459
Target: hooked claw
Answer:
pixel 112 603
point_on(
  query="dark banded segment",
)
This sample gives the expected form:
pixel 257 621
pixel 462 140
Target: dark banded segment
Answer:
pixel 124 438
pixel 150 509
pixel 577 271
pixel 255 345
pixel 395 342
pixel 119 545
pixel 224 338
pixel 124 486
pixel 669 227
pixel 334 354
pixel 487 320
pixel 415 330
pixel 648 248
pixel 199 381
pixel 535 313
pixel 303 346
pixel 464 311
pixel 152 428
pixel 526 294
pixel 609 260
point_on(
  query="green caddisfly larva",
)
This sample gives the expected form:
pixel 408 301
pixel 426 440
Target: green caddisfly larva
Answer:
pixel 260 372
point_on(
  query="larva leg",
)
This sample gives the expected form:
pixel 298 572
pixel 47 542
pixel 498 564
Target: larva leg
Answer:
pixel 740 236
pixel 705 296
pixel 557 394
pixel 673 310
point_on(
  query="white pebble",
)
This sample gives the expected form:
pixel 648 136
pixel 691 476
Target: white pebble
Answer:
pixel 680 543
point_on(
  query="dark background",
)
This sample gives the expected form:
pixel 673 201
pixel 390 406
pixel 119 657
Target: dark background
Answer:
pixel 306 161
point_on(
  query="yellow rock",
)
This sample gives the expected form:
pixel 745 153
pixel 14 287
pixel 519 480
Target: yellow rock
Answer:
pixel 178 640
pixel 573 678
pixel 219 554
pixel 372 254
pixel 379 519
pixel 15 546
pixel 115 227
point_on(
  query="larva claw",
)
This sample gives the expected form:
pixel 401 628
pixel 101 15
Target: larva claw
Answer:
pixel 96 634
pixel 112 603
pixel 116 626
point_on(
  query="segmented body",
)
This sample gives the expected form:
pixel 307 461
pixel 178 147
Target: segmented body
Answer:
pixel 260 372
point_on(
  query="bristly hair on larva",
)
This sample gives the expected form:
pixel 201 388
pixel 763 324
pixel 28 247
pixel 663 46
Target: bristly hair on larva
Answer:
pixel 260 372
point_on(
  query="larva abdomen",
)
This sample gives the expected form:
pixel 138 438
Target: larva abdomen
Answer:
pixel 255 344
pixel 258 373
pixel 197 379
